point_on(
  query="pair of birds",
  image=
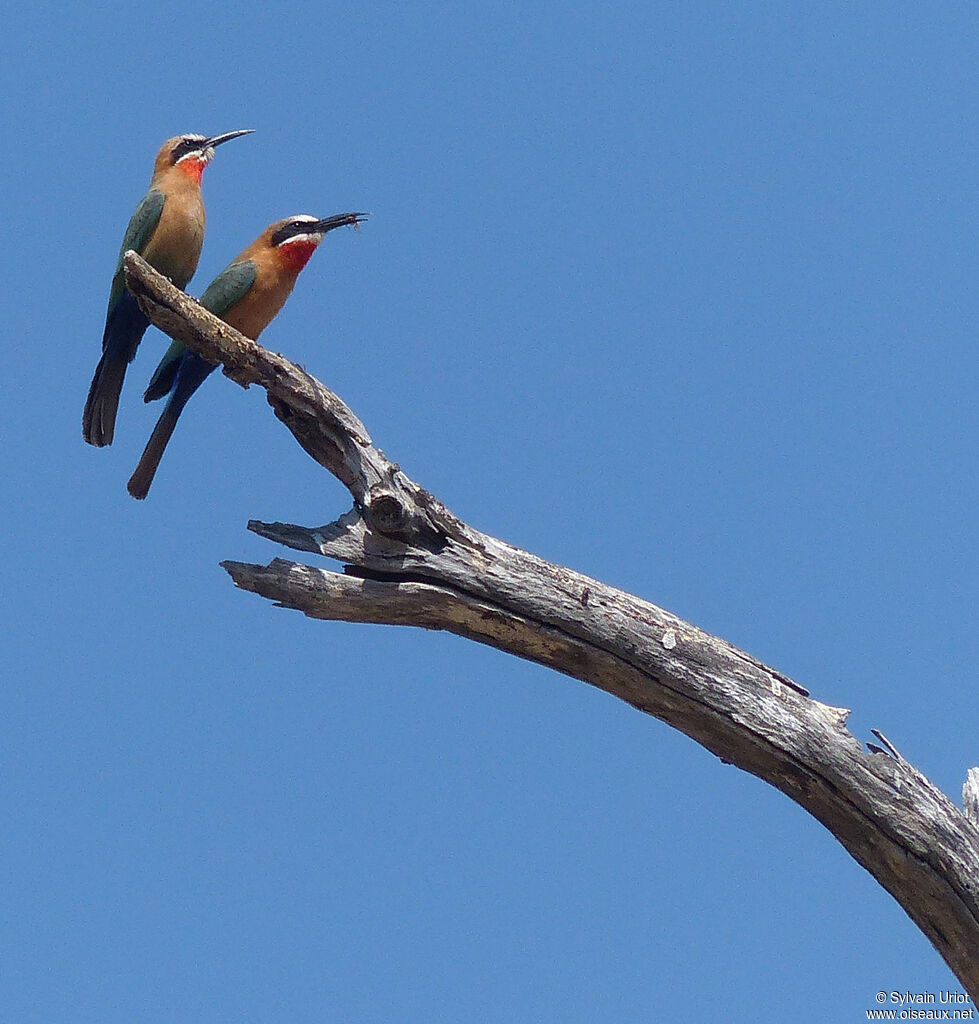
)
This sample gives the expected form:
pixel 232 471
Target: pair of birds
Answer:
pixel 167 230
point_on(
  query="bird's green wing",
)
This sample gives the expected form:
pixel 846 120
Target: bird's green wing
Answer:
pixel 144 220
pixel 220 295
pixel 229 287
pixel 142 224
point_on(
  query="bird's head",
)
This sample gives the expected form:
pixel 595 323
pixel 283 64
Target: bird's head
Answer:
pixel 295 239
pixel 192 153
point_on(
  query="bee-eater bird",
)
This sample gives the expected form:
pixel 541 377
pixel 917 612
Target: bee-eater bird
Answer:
pixel 167 230
pixel 247 294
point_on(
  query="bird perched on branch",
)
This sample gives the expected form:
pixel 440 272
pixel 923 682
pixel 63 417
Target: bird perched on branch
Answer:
pixel 167 230
pixel 247 294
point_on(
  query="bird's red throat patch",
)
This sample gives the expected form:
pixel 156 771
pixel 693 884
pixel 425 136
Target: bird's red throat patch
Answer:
pixel 193 168
pixel 295 252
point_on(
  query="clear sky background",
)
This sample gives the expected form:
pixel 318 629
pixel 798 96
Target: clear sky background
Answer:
pixel 684 296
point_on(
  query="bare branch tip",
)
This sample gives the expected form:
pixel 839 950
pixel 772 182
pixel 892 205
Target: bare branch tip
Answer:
pixel 970 796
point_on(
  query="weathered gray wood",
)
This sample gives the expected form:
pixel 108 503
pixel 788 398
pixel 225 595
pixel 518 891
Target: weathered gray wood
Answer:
pixel 409 561
pixel 970 796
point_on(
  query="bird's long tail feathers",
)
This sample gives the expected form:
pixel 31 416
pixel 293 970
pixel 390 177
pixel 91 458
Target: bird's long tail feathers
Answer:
pixel 139 482
pixel 190 374
pixel 124 327
pixel 99 417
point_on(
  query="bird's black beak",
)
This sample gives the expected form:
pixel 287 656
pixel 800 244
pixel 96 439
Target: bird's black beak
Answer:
pixel 218 139
pixel 338 220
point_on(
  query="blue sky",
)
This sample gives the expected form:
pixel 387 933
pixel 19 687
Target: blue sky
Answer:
pixel 681 295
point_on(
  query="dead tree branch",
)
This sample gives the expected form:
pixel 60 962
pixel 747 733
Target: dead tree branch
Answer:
pixel 409 561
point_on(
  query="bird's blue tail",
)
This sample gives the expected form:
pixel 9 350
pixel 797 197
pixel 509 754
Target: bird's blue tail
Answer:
pixel 190 374
pixel 124 328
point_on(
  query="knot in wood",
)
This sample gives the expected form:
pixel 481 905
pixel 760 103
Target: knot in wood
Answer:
pixel 386 512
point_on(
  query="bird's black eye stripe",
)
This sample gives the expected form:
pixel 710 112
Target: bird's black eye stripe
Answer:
pixel 290 229
pixel 185 146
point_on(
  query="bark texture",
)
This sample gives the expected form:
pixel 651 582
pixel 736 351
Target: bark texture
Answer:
pixel 407 560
